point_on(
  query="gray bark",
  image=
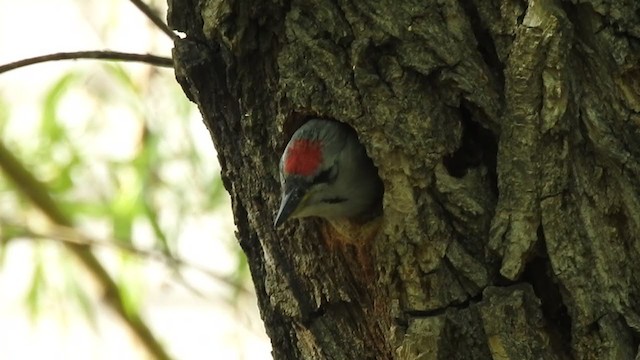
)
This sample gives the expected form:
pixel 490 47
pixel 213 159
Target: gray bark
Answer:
pixel 507 134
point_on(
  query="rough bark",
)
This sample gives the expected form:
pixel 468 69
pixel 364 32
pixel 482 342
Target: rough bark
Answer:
pixel 507 134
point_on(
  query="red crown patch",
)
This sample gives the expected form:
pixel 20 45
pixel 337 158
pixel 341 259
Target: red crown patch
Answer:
pixel 303 157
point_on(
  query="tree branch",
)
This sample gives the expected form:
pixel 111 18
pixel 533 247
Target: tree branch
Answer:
pixel 103 55
pixel 69 235
pixel 154 18
pixel 36 192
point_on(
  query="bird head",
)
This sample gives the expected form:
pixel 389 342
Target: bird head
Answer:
pixel 325 172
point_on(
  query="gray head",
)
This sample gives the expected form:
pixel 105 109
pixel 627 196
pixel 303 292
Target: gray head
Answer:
pixel 325 172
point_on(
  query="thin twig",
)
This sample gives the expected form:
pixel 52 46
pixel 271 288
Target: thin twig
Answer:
pixel 66 234
pixel 103 55
pixel 154 18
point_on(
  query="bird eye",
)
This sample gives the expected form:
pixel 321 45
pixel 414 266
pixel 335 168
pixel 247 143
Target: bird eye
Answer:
pixel 327 176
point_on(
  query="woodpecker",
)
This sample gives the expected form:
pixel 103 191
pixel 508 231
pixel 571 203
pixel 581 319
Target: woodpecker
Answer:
pixel 325 172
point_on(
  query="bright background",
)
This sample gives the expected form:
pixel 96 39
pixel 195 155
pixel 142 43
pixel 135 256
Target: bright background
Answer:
pixel 103 136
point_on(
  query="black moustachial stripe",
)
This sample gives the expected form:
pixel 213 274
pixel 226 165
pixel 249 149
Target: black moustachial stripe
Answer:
pixel 335 200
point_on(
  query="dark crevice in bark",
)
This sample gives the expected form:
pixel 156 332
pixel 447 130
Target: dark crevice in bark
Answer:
pixel 521 18
pixel 440 311
pixel 387 50
pixel 523 5
pixel 310 317
pixel 337 309
pixel 485 44
pixel 478 147
pixel 293 122
pixel 539 273
pixel 635 337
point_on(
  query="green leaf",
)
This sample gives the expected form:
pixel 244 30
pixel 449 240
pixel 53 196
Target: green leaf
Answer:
pixel 163 241
pixel 63 179
pixel 88 208
pixel 50 127
pixel 130 285
pixel 126 206
pixel 75 290
pixel 33 297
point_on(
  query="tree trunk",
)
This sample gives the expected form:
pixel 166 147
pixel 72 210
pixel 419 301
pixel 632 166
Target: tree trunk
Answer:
pixel 507 134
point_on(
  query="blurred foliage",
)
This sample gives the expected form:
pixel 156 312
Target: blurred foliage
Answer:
pixel 115 150
pixel 124 156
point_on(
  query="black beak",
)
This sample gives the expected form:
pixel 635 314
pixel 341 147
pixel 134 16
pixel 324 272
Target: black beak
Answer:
pixel 289 204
